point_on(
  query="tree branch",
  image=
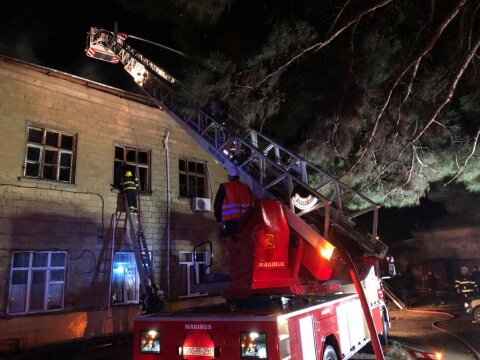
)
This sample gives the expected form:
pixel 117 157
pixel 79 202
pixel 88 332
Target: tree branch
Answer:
pixel 394 80
pixel 409 177
pixel 474 147
pixel 338 16
pixel 319 45
pixel 405 98
pixel 450 92
pixel 348 78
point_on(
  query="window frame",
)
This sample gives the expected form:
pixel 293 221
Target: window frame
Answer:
pixel 128 165
pixel 46 284
pixel 197 175
pixel 43 146
pixel 133 266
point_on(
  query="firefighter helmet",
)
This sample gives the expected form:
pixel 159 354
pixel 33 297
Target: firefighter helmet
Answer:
pixel 128 173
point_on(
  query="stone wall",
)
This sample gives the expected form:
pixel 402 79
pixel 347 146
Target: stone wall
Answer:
pixel 77 218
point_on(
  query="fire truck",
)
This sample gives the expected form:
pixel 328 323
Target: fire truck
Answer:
pixel 304 275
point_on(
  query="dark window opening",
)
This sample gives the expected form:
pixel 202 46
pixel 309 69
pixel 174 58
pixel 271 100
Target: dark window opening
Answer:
pixel 50 155
pixel 192 178
pixel 33 153
pixel 135 160
pixel 52 139
pixel 67 142
pixel 35 135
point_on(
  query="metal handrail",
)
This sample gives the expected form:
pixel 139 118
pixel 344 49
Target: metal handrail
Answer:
pixel 209 243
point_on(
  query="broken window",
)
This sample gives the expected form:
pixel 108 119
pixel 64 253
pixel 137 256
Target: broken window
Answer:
pixel 37 281
pixel 135 160
pixel 192 175
pixel 50 155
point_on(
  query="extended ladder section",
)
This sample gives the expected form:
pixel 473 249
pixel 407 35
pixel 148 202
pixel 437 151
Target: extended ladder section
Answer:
pixel 339 213
pixel 142 254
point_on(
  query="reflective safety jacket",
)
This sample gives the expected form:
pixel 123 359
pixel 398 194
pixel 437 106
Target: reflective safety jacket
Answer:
pixel 129 183
pixel 466 285
pixel 237 200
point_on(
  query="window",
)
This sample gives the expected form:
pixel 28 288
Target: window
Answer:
pixel 135 160
pixel 37 281
pixel 50 155
pixel 192 176
pixel 125 280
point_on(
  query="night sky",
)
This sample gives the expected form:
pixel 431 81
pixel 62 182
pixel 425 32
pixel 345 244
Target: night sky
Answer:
pixel 53 34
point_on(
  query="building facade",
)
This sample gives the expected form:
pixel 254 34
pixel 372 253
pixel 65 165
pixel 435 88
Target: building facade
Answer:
pixel 66 261
pixel 447 244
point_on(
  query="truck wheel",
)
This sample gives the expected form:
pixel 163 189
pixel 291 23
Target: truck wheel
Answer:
pixel 384 335
pixel 476 314
pixel 329 353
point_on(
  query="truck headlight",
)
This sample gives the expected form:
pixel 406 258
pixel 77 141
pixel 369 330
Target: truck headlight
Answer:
pixel 150 341
pixel 253 344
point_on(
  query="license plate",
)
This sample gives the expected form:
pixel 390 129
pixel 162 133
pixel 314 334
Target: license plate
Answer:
pixel 198 351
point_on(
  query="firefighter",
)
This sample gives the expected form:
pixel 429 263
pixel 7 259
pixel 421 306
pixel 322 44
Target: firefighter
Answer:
pixel 233 199
pixel 464 284
pixel 130 185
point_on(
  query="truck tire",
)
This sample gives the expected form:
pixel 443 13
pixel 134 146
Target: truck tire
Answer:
pixel 329 353
pixel 383 337
pixel 476 315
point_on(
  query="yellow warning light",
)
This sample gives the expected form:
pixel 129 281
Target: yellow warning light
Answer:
pixel 438 356
pixel 327 251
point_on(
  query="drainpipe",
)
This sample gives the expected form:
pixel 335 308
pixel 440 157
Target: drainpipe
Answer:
pixel 109 299
pixel 169 205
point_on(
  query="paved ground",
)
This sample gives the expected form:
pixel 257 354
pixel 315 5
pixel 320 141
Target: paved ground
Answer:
pixel 120 349
pixel 416 327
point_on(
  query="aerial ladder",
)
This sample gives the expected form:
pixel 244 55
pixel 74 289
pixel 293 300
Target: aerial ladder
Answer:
pixel 317 205
pixel 271 170
pixel 143 258
pixel 328 214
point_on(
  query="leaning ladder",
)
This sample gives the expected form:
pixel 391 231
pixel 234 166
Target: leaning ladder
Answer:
pixel 140 249
pixel 270 170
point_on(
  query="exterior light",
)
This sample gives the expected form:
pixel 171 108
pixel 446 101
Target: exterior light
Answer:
pixel 150 342
pixel 253 335
pixel 119 269
pixel 327 251
pixel 153 333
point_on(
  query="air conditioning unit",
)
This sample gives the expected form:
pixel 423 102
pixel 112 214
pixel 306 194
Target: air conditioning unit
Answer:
pixel 201 204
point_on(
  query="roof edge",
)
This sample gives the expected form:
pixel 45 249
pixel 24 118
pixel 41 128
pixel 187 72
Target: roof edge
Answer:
pixel 80 81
